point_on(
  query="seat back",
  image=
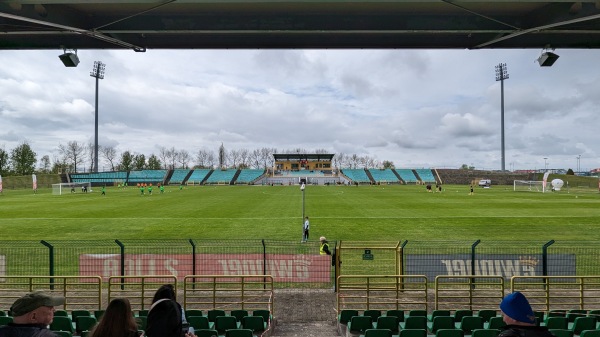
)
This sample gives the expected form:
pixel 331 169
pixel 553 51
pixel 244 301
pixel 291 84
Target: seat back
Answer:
pixel 417 312
pixel 142 322
pixel 487 314
pixel 397 313
pixel 470 323
pixel 62 323
pixel 214 313
pixel 224 323
pixel 378 333
pixel 373 313
pixel 346 314
pixel 238 333
pixel 193 312
pixel 4 320
pixel 459 314
pixel 415 322
pixel 496 323
pixel 539 317
pixel 143 312
pixel 61 312
pixel 388 322
pixel 98 314
pixel 557 323
pixel 413 333
pixel 438 312
pixel 442 322
pixel 449 333
pixel 85 323
pixel 583 323
pixel 63 333
pixel 206 333
pixel 485 333
pixel 264 313
pixel 572 314
pixel 561 332
pixel 239 314
pixel 198 322
pixel 254 323
pixel 360 323
pixel 590 333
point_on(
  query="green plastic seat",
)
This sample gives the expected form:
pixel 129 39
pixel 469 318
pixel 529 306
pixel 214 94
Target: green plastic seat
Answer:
pixel 360 324
pixel 590 333
pixel 264 313
pixel 561 332
pixel 583 323
pixel 214 313
pixel 198 322
pixel 449 333
pixel 4 320
pixel 238 333
pixel 437 313
pixel 414 322
pixel 239 314
pixel 417 312
pixel 388 322
pixel 557 322
pixel 84 323
pixel 413 333
pixel 224 323
pixel 254 323
pixel 487 314
pixel 496 323
pixel 470 323
pixel 193 312
pixel 441 322
pixel 346 314
pixel 206 333
pixel 378 333
pixel 485 333
pixel 459 314
pixel 373 313
pixel 63 333
pixel 62 323
pixel 143 313
pixel 396 312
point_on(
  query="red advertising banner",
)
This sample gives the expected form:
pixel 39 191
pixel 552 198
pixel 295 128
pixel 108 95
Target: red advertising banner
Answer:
pixel 282 267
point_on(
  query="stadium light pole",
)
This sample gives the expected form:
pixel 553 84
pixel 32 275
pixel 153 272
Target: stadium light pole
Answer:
pixel 302 188
pixel 501 75
pixel 578 162
pixel 545 164
pixel 98 73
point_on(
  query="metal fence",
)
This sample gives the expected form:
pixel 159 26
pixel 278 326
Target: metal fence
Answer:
pixel 297 265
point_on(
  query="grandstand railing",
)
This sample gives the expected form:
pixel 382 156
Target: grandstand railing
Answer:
pixel 138 289
pixel 382 292
pixel 547 293
pixel 248 292
pixel 468 292
pixel 79 292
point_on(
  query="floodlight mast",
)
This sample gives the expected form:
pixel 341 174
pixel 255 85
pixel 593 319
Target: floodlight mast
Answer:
pixel 98 73
pixel 501 75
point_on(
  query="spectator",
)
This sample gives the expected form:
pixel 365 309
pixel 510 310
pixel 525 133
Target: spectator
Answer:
pixel 324 249
pixel 117 321
pixel 166 317
pixel 519 318
pixel 32 314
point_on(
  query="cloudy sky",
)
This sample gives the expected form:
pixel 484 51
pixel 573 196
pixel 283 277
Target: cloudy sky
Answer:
pixel 417 108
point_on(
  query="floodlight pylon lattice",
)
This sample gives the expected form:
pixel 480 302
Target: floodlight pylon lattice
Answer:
pixel 98 73
pixel 501 75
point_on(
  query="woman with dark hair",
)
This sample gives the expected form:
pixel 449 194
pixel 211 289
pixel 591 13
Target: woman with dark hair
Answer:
pixel 165 318
pixel 117 321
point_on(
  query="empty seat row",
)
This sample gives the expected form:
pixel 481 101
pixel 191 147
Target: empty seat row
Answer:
pixel 423 333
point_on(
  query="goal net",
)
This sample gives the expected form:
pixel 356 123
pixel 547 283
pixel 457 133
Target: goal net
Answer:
pixel 63 188
pixel 529 186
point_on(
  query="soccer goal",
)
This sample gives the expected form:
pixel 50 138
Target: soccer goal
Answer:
pixel 63 188
pixel 529 186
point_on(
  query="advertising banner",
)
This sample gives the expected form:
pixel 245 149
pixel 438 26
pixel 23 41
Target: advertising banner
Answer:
pixel 282 267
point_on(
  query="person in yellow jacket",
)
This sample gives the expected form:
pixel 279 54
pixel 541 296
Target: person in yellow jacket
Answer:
pixel 324 249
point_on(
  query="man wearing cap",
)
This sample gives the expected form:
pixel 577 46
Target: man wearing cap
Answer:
pixel 32 314
pixel 519 318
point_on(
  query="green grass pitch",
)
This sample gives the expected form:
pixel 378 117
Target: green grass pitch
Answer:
pixel 365 213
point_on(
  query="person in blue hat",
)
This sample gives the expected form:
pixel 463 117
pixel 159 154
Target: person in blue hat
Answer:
pixel 519 318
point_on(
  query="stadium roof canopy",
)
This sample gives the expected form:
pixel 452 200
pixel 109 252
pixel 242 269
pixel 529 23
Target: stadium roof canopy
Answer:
pixel 301 156
pixel 192 24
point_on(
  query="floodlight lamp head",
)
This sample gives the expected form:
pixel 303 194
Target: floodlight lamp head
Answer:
pixel 547 58
pixel 69 57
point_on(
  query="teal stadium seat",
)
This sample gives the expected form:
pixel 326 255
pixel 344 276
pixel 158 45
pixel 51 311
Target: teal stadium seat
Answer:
pixel 377 333
pixel 487 314
pixel 254 323
pixel 441 322
pixel 264 313
pixel 224 323
pixel 496 323
pixel 373 313
pixel 413 333
pixel 238 333
pixel 346 314
pixel 561 332
pixel 206 333
pixel 414 322
pixel 193 312
pixel 583 323
pixel 459 314
pixel 199 322
pixel 214 313
pixel 470 323
pixel 438 312
pixel 4 320
pixel 62 323
pixel 396 312
pixel 590 333
pixel 449 333
pixel 407 175
pixel 557 322
pixel 387 322
pixel 360 324
pixel 384 175
pixel 485 333
pixel 239 314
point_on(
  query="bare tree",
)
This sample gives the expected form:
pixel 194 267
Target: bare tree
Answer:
pixel 109 153
pixel 255 159
pixel 73 153
pixel 45 164
pixel 202 159
pixel 183 157
pixel 244 158
pixel 163 154
pixel 234 156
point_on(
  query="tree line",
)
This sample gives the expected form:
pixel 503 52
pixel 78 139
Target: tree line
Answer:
pixel 75 156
